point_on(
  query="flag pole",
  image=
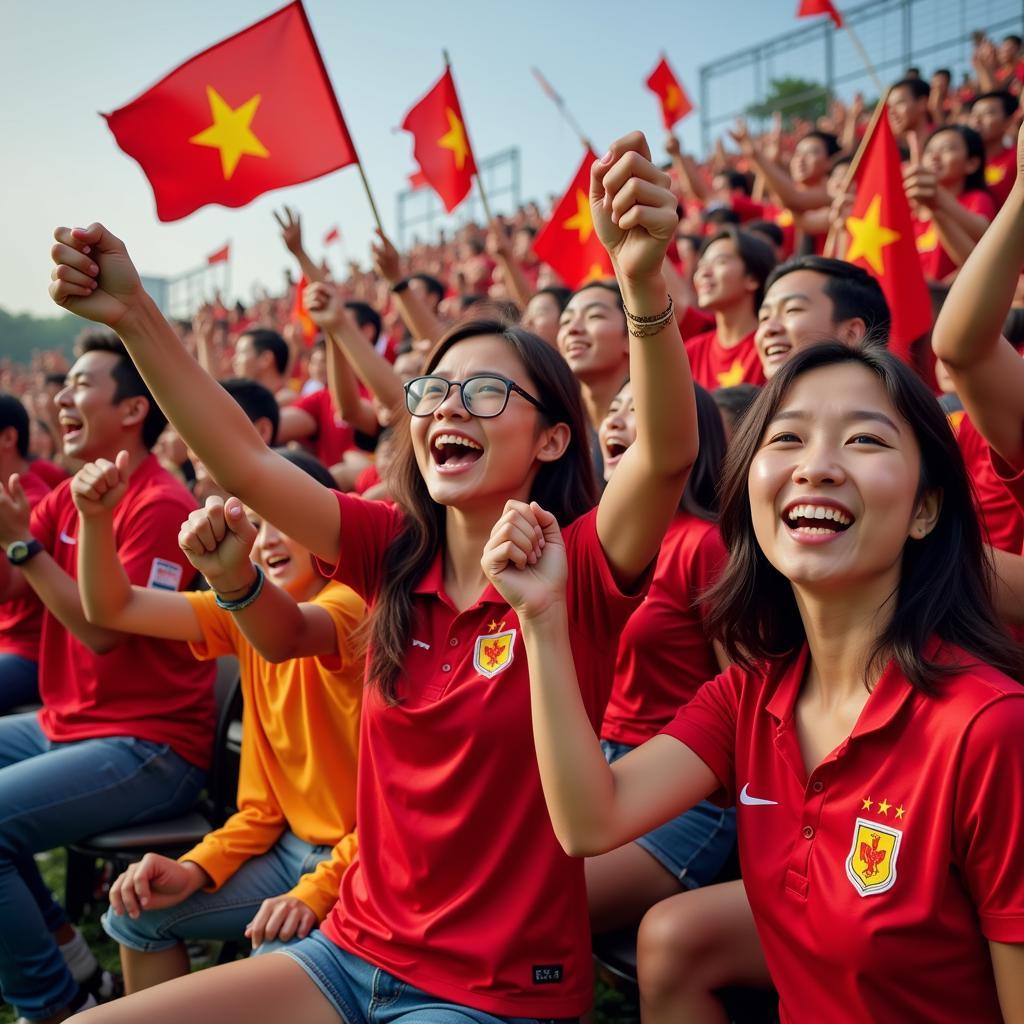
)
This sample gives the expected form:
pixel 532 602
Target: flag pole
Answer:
pixel 879 111
pixel 863 54
pixel 562 108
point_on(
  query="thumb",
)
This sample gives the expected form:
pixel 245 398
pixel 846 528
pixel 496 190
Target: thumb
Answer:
pixel 547 522
pixel 237 522
pixel 98 236
pixel 16 491
pixel 121 460
pixel 914 146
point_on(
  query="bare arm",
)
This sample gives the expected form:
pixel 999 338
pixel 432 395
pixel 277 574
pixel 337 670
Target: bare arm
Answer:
pixel 689 175
pixel 417 317
pixel 1008 968
pixel 291 234
pixel 790 194
pixel 500 250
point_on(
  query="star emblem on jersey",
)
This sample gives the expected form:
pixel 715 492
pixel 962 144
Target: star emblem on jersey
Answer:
pixel 494 652
pixel 871 864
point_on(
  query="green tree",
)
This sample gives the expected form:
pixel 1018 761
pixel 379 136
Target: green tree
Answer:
pixel 793 97
pixel 22 334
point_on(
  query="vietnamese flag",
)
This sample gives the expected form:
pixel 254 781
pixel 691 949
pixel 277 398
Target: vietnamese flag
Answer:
pixel 882 238
pixel 418 181
pixel 441 145
pixel 334 235
pixel 675 104
pixel 253 113
pixel 809 8
pixel 220 256
pixel 568 242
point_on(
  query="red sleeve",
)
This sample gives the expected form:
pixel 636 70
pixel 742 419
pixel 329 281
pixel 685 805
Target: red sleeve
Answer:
pixel 979 202
pixel 989 817
pixel 314 403
pixel 367 528
pixel 747 208
pixel 1012 478
pixel 368 478
pixel 707 725
pixel 708 562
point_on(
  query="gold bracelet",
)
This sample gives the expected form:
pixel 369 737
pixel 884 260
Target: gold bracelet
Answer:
pixel 647 326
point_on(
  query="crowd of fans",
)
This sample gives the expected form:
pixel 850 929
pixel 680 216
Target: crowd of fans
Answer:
pixel 334 478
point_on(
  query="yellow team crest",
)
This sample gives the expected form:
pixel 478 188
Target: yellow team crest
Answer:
pixel 871 865
pixel 495 651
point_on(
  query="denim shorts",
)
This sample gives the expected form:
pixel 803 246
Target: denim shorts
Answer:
pixel 693 847
pixel 364 994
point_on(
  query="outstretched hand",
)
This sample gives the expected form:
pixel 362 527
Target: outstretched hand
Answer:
pixel 525 559
pixel 94 276
pixel 290 224
pixel 324 305
pixel 98 486
pixel 217 539
pixel 386 260
pixel 633 208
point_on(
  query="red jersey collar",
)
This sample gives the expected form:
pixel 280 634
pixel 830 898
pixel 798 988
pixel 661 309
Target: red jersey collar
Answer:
pixel 432 582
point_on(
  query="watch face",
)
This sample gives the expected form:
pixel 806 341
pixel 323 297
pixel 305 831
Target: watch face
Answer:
pixel 17 551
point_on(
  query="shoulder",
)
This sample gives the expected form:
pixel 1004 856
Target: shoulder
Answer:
pixel 339 597
pixel 979 201
pixel 972 687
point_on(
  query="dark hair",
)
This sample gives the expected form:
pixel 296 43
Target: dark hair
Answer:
pixel 766 227
pixel 308 464
pixel 428 281
pixel 1007 99
pixel 558 292
pixel 738 181
pixel 736 400
pixel 1013 327
pixel 945 72
pixel 975 180
pixel 757 256
pixel 720 215
pixel 127 380
pixel 944 586
pixel 264 340
pixel 609 286
pixel 827 139
pixel 14 414
pixel 917 87
pixel 55 380
pixel 700 498
pixel 566 488
pixel 257 402
pixel 1015 39
pixel 363 314
pixel 853 291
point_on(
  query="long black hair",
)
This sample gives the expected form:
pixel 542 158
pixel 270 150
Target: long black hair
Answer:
pixel 945 578
pixel 700 498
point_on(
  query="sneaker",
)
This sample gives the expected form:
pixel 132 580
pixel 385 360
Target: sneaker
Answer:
pixel 83 1001
pixel 104 985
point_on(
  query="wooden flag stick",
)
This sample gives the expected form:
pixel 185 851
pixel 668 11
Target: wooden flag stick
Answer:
pixel 369 196
pixel 862 53
pixel 562 108
pixel 879 111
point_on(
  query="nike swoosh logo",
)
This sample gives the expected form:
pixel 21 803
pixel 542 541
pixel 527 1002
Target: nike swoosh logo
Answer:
pixel 755 801
pixel 67 540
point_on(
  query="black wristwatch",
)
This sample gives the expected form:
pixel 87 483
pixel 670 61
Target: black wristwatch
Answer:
pixel 400 286
pixel 21 551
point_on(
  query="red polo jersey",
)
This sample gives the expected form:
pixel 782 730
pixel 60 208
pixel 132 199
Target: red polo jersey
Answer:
pixel 665 654
pixel 334 436
pixel 878 878
pixel 715 366
pixel 1001 519
pixel 21 618
pixel 460 887
pixel 149 689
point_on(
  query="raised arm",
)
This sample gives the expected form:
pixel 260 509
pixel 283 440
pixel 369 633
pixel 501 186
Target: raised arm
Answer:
pixel 108 597
pixel 635 217
pixel 291 234
pixel 95 278
pixel 790 194
pixel 420 321
pixel 987 372
pixel 594 806
pixel 689 174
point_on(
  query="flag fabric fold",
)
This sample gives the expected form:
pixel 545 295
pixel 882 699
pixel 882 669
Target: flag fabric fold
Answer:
pixel 568 241
pixel 881 238
pixel 252 113
pixel 675 103
pixel 809 8
pixel 440 142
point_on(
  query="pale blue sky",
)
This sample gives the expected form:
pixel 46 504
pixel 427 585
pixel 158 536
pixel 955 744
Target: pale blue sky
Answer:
pixel 62 62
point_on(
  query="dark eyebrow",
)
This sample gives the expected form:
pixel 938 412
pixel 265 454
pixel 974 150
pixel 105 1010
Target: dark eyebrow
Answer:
pixel 851 417
pixel 79 375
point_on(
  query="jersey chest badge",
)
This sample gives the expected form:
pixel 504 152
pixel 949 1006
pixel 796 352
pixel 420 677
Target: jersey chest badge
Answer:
pixel 871 865
pixel 495 651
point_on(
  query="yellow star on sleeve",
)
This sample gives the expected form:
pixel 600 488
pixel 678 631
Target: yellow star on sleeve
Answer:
pixel 868 236
pixel 581 220
pixel 455 139
pixel 731 377
pixel 900 811
pixel 883 806
pixel 231 131
pixel 866 804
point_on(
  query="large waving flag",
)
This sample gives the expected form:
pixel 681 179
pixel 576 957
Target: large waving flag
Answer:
pixel 675 104
pixel 882 238
pixel 568 242
pixel 441 145
pixel 253 113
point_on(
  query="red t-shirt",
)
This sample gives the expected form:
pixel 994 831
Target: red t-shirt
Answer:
pixel 877 879
pixel 693 322
pixel 1000 174
pixel 150 689
pixel 936 263
pixel 1001 519
pixel 50 473
pixel 333 435
pixel 665 654
pixel 21 618
pixel 465 891
pixel 368 478
pixel 714 366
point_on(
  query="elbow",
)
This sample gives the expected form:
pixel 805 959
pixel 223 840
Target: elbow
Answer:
pixel 100 644
pixel 582 842
pixel 277 655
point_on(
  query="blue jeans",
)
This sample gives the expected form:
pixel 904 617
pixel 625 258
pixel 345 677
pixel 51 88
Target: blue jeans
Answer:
pixel 225 913
pixel 52 794
pixel 19 682
pixel 693 846
pixel 364 994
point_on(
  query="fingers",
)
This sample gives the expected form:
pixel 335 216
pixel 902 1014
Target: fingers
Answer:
pixel 914 146
pixel 277 217
pixel 205 528
pixel 517 536
pixel 114 895
pixel 238 523
pixel 256 929
pixel 121 461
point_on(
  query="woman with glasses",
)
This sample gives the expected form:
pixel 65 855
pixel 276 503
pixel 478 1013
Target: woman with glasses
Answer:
pixel 460 906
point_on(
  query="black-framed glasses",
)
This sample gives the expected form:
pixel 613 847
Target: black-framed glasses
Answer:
pixel 483 395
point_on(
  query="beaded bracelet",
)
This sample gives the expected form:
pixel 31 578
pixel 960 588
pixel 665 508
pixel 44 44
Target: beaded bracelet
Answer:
pixel 647 326
pixel 246 599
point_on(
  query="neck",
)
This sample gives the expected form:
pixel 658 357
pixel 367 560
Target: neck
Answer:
pixel 735 322
pixel 598 392
pixel 466 534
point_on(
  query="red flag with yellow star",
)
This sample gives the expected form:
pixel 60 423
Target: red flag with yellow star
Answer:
pixel 253 113
pixel 568 242
pixel 882 238
pixel 675 103
pixel 440 143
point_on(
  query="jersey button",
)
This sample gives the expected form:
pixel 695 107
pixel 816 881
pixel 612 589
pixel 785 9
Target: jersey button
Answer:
pixel 807 832
pixel 818 787
pixel 446 668
pixel 454 642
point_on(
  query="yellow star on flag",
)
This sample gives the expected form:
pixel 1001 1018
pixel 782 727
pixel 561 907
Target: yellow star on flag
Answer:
pixel 455 139
pixel 673 97
pixel 595 273
pixel 868 236
pixel 581 220
pixel 883 806
pixel 231 131
pixel 731 377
